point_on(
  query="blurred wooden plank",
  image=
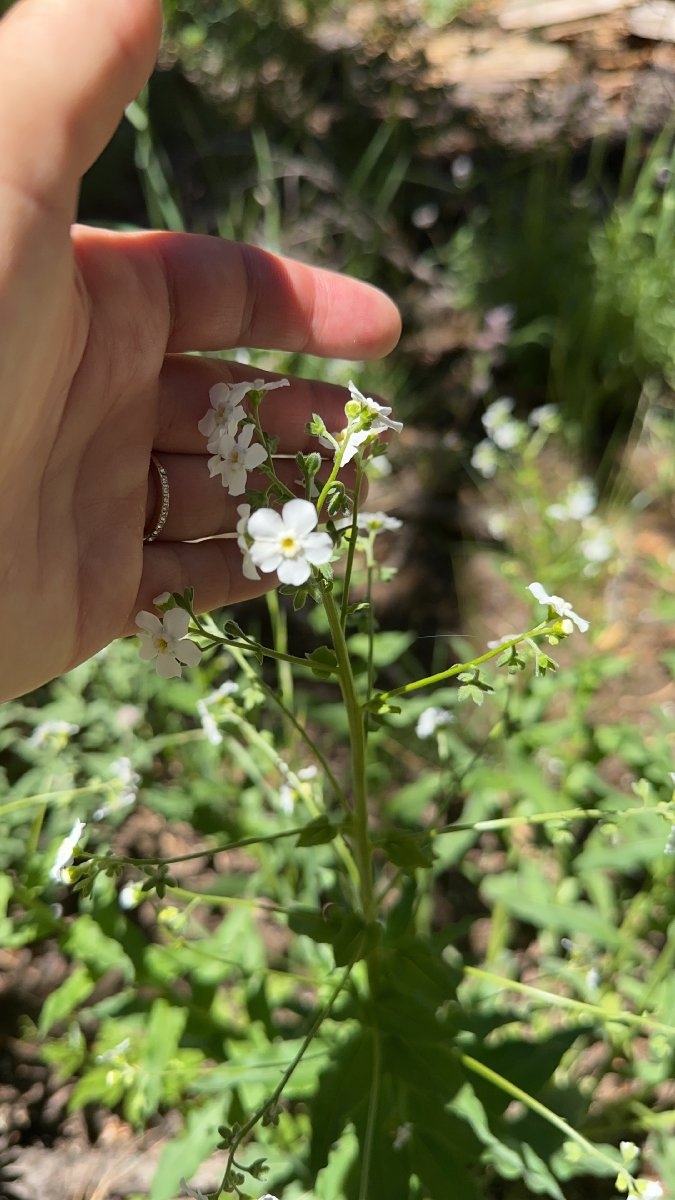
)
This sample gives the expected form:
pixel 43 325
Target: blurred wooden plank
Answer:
pixel 517 60
pixel 538 14
pixel 654 21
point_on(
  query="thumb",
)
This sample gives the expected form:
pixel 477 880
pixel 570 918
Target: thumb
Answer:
pixel 68 68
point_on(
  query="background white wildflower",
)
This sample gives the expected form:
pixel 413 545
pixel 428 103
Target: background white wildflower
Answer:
pixel 52 734
pixel 376 522
pixel 546 417
pixel 432 719
pixel 66 852
pixel 130 896
pixel 580 501
pixel 208 723
pixel 128 780
pixel 485 459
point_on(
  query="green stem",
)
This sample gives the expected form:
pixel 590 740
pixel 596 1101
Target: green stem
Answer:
pixel 357 738
pixel 371 1122
pixel 280 639
pixel 351 548
pixel 276 1094
pixel 290 716
pixel 582 1007
pixel 535 1106
pixel 254 840
pixel 565 814
pixel 542 628
pixel 251 647
pixel 335 471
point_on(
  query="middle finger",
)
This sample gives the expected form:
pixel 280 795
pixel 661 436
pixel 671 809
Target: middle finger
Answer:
pixel 185 382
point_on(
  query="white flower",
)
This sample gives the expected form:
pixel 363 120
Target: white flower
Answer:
pixel 546 417
pixel 162 599
pixel 498 525
pixel 130 896
pixel 461 169
pixel 234 458
pixel 649 1189
pixel 485 459
pixel 208 723
pixel 496 329
pixel 165 640
pixel 562 607
pixel 367 420
pixel 596 545
pixel 432 719
pixel 228 688
pixel 248 566
pixel 66 852
pixel 52 733
pixel 128 779
pixel 284 542
pixel 580 501
pixel 226 412
pixel 508 435
pixel 496 413
pixel 287 798
pixel 375 522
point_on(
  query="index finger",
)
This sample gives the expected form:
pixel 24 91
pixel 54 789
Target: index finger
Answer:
pixel 223 294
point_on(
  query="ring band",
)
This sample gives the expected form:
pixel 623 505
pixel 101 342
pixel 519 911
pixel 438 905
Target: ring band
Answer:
pixel 162 507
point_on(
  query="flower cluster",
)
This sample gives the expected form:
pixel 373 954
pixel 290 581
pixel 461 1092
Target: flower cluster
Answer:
pixel 287 543
pixel 366 421
pixel 229 433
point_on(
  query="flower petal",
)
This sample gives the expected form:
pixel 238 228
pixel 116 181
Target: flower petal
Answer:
pixel 176 622
pixel 293 570
pixel 301 515
pixel 149 622
pixel 188 653
pixel 167 666
pixel 265 523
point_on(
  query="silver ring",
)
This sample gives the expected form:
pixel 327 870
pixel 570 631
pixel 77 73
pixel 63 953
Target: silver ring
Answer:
pixel 164 497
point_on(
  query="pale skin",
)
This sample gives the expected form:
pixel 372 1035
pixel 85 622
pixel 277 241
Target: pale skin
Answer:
pixel 94 377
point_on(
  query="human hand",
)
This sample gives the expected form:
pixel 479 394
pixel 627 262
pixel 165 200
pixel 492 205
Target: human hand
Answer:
pixel 94 326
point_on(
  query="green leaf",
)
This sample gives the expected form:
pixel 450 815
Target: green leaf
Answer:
pixel 342 1088
pixel 528 896
pixel 407 850
pixel 185 1153
pixel 163 1033
pixel 529 1069
pixel 345 931
pixel 318 832
pixel 387 647
pixel 323 662
pixel 87 943
pixel 60 1004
